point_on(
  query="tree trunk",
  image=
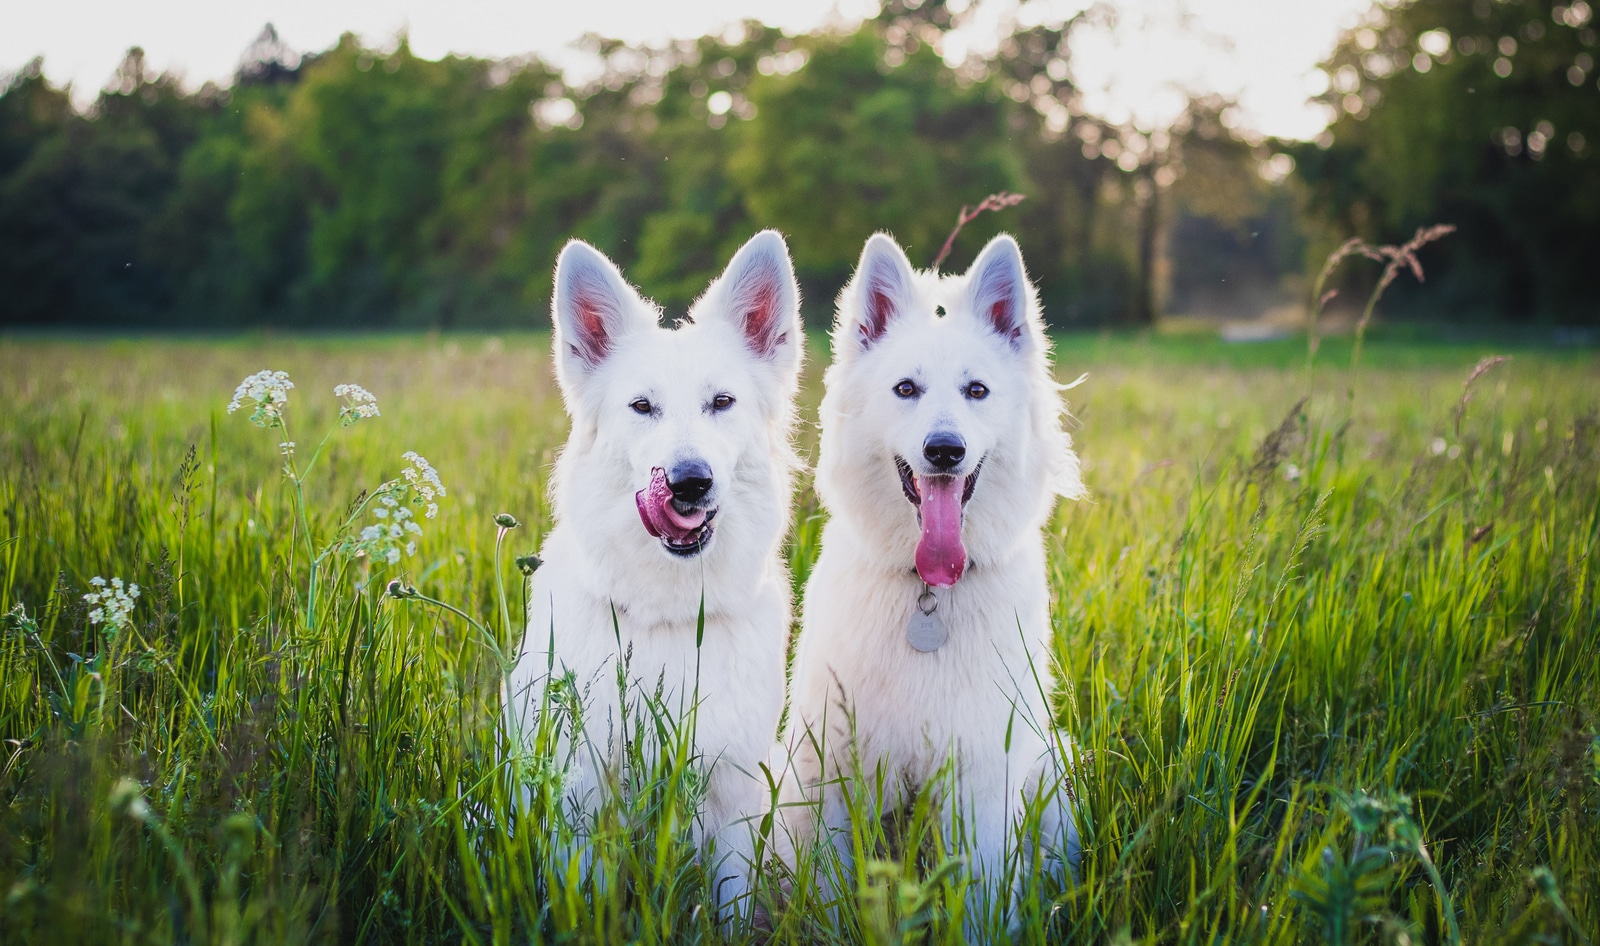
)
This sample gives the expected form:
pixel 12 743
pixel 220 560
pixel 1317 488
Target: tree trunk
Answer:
pixel 1147 292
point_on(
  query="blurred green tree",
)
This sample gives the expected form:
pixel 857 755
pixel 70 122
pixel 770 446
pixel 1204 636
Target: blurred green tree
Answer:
pixel 370 187
pixel 870 135
pixel 1081 240
pixel 1234 244
pixel 695 108
pixel 1479 113
pixel 77 205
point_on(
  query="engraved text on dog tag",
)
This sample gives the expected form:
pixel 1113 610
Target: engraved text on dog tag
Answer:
pixel 926 631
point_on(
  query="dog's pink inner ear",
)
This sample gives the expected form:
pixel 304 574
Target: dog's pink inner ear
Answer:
pixel 1004 316
pixel 758 300
pixel 760 318
pixel 592 339
pixel 1001 303
pixel 880 310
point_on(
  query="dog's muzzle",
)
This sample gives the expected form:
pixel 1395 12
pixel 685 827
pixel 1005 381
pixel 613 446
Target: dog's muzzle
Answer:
pixel 908 482
pixel 940 499
pixel 695 541
pixel 674 507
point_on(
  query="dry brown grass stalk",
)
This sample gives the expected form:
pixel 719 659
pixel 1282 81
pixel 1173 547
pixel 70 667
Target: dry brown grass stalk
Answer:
pixel 998 201
pixel 1483 367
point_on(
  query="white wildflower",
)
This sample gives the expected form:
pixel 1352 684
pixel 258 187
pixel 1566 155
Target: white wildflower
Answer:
pixel 113 603
pixel 422 477
pixel 394 536
pixel 359 403
pixel 1438 446
pixel 267 392
pixel 287 447
pixel 1292 473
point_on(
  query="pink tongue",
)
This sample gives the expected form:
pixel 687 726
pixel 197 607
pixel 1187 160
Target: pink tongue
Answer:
pixel 940 555
pixel 660 519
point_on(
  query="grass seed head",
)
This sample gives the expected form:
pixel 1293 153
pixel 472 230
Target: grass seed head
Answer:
pixel 1483 367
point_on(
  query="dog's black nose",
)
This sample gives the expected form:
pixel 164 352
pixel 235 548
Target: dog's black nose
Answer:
pixel 944 450
pixel 689 481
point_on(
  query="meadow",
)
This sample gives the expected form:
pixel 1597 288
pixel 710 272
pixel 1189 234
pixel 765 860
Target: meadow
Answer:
pixel 1329 643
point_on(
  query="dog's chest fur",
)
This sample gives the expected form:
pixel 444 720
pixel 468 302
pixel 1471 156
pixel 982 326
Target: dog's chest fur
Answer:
pixel 735 670
pixel 857 668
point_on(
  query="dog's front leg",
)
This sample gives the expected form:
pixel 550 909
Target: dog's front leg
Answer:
pixel 812 820
pixel 978 830
pixel 1049 805
pixel 1042 832
pixel 732 813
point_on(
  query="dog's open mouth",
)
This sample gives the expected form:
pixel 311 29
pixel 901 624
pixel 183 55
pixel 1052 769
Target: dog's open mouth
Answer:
pixel 683 529
pixel 691 542
pixel 940 500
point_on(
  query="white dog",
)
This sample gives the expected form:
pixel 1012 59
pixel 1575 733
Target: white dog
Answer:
pixel 672 494
pixel 926 639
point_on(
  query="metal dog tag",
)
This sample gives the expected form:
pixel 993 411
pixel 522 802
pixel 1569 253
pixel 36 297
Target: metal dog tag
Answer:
pixel 926 631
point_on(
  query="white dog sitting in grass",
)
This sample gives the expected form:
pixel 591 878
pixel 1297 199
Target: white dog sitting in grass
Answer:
pixel 925 653
pixel 671 501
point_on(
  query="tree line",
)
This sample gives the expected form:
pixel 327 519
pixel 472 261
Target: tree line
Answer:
pixel 359 187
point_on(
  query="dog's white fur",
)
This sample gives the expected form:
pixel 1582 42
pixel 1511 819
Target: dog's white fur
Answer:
pixel 742 338
pixel 861 696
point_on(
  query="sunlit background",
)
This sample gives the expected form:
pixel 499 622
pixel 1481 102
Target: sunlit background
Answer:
pixel 1263 52
pixel 1324 628
pixel 189 164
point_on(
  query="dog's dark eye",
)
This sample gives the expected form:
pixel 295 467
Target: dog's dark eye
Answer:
pixel 641 406
pixel 977 390
pixel 905 388
pixel 722 402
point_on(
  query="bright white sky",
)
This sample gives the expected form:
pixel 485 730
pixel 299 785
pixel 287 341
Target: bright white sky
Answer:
pixel 1261 51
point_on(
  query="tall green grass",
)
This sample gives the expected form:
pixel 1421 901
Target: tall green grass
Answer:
pixel 1334 671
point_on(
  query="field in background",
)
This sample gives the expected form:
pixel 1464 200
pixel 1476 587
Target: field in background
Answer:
pixel 1335 671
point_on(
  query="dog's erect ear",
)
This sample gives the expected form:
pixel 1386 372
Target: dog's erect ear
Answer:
pixel 592 309
pixel 998 285
pixel 759 294
pixel 880 291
